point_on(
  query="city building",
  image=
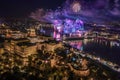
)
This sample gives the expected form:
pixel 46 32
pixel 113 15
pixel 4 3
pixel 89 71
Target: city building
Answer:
pixel 21 47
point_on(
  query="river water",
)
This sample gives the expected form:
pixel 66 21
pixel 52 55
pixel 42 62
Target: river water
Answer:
pixel 101 48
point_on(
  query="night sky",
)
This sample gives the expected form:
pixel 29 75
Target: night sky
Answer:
pixel 21 8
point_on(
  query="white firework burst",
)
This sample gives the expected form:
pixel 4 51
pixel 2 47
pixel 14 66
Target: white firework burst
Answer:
pixel 76 7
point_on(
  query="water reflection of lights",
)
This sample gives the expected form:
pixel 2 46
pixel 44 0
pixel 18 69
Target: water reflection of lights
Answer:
pixel 113 43
pixel 86 41
pixel 78 45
